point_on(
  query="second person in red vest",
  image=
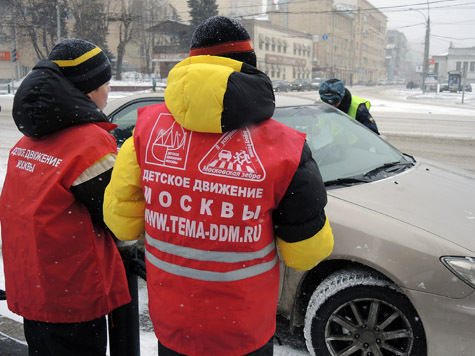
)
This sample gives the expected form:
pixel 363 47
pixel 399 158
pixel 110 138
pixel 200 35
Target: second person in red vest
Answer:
pixel 215 186
pixel 63 272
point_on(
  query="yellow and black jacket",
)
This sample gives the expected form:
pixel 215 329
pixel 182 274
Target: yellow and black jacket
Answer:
pixel 214 95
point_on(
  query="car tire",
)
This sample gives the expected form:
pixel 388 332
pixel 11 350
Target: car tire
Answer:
pixel 356 312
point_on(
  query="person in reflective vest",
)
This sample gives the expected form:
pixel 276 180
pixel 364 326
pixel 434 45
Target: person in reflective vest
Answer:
pixel 333 92
pixel 63 272
pixel 213 184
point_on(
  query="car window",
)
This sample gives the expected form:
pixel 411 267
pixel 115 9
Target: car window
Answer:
pixel 340 145
pixel 126 116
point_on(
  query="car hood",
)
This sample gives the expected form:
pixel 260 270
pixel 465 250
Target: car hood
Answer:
pixel 430 196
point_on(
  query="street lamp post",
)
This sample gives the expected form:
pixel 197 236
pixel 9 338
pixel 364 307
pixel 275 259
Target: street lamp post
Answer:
pixel 425 65
pixel 426 55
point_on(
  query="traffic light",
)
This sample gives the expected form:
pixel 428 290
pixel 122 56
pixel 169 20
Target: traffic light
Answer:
pixel 13 55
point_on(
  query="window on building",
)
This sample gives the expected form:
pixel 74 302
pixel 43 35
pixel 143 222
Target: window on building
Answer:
pixel 267 46
pixel 458 66
pixel 465 67
pixel 472 66
pixel 261 44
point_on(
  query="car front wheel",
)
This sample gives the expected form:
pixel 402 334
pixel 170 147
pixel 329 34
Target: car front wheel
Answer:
pixel 355 312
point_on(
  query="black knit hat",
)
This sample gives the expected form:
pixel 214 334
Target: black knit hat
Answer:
pixel 83 63
pixel 225 37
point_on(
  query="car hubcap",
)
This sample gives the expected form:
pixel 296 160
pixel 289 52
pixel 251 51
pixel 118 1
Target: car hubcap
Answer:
pixel 368 327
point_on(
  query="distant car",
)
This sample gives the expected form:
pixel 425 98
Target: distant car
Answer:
pixel 316 82
pixel 444 86
pixel 301 85
pixel 401 277
pixel 468 87
pixel 281 85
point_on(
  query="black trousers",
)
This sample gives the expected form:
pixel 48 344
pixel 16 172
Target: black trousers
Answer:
pixel 266 350
pixel 72 339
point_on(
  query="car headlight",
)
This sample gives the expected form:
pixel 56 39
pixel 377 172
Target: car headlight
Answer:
pixel 462 267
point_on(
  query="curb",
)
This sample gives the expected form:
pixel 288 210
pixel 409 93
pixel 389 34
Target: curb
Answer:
pixel 12 338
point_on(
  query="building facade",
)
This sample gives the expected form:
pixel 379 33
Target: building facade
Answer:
pixel 350 36
pixel 370 41
pixel 396 61
pixel 283 54
pixel 299 39
pixel 456 59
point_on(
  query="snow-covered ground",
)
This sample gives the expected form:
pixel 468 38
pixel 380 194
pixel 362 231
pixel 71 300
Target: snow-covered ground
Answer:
pixel 396 100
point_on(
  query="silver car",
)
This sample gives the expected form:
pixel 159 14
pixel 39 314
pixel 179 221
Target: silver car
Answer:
pixel 401 277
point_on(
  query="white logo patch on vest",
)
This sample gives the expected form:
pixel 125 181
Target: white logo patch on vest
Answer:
pixel 234 156
pixel 168 143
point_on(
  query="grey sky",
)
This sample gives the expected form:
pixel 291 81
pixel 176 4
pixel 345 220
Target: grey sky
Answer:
pixel 451 21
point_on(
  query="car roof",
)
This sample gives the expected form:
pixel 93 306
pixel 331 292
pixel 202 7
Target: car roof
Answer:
pixel 115 103
pixel 280 100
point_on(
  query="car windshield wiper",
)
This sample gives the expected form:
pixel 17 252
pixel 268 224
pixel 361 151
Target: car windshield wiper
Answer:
pixel 390 167
pixel 347 181
pixel 367 177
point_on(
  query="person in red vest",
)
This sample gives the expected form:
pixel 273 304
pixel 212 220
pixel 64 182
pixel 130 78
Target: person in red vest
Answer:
pixel 63 272
pixel 214 185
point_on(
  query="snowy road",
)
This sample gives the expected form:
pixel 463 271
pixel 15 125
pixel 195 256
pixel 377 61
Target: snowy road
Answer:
pixel 433 126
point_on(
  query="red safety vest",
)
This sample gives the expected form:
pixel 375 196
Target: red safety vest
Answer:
pixel 59 267
pixel 212 265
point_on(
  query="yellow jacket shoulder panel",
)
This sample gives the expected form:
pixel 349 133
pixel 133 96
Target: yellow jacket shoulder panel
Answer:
pixel 124 204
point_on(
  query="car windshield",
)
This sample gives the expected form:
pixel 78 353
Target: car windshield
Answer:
pixel 346 151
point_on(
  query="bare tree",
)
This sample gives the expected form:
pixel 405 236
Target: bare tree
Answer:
pixel 91 21
pixel 152 12
pixel 36 21
pixel 128 12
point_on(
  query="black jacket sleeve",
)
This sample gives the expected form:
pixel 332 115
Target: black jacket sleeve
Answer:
pixel 91 194
pixel 300 214
pixel 363 116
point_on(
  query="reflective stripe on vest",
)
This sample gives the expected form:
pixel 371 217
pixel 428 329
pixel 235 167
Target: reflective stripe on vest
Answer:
pixel 355 102
pixel 210 256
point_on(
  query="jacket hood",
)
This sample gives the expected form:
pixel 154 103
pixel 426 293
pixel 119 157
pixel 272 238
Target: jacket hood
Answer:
pixel 216 94
pixel 47 102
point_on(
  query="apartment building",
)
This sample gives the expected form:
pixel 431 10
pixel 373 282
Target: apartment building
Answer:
pixel 350 36
pixel 370 42
pixel 396 50
pixel 281 53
